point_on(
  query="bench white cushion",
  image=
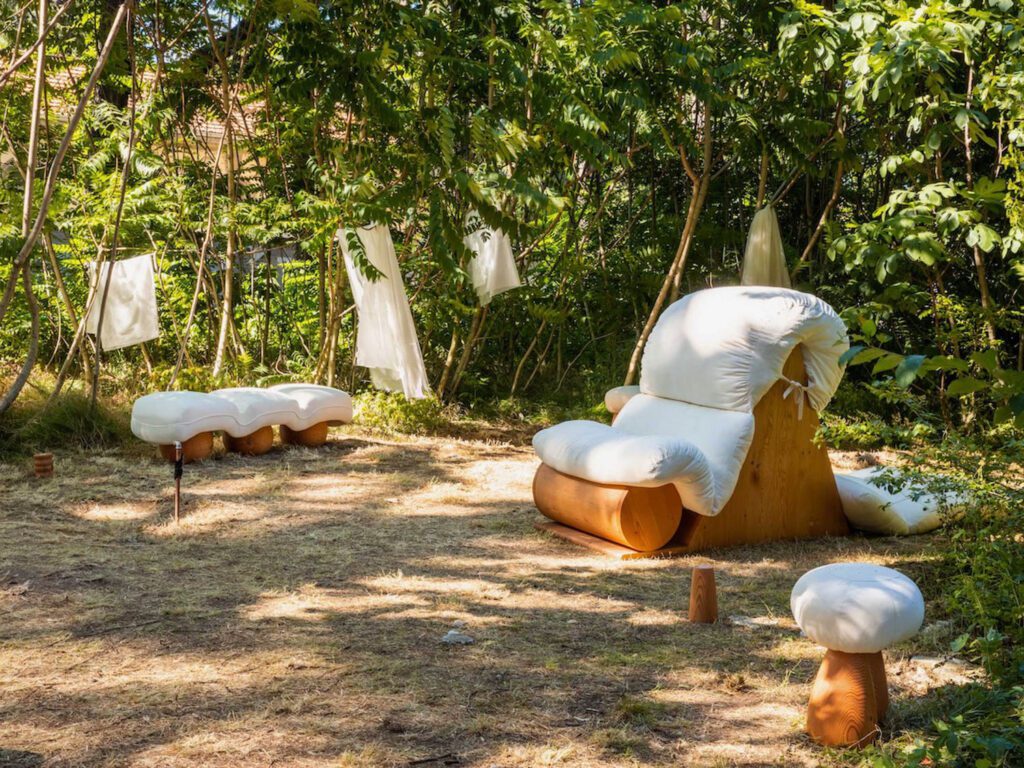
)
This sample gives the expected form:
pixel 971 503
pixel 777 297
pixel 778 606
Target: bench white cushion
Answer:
pixel 169 417
pixel 857 607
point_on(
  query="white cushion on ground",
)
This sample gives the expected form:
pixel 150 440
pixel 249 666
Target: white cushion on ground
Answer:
pixel 616 397
pixel 857 607
pixel 169 417
pixel 726 347
pixel 875 509
pixel 603 454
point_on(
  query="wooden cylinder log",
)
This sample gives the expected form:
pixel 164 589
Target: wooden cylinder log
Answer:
pixel 311 437
pixel 254 444
pixel 42 464
pixel 703 596
pixel 196 448
pixel 843 708
pixel 644 519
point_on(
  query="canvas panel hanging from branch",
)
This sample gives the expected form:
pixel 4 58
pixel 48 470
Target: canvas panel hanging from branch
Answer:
pixel 764 261
pixel 129 312
pixel 386 340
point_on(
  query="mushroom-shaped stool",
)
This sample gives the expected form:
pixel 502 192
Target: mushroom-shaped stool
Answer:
pixel 855 610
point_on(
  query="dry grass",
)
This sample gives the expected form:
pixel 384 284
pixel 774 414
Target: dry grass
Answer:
pixel 293 619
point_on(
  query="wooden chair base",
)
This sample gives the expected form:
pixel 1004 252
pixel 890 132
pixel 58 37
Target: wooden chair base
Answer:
pixel 848 699
pixel 254 444
pixel 196 448
pixel 311 437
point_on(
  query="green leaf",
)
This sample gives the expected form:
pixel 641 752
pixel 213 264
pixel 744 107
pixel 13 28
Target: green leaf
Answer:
pixel 907 370
pixel 966 386
pixel 887 363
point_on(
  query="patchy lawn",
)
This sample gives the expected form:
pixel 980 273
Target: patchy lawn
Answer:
pixel 294 616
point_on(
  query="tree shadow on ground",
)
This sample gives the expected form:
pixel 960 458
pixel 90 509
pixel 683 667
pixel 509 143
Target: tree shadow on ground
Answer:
pixel 295 616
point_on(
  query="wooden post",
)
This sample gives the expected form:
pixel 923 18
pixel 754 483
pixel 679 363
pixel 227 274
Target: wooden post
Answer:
pixel 703 596
pixel 179 462
pixel 843 710
pixel 43 465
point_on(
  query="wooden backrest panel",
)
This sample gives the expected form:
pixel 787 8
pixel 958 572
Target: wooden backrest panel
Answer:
pixel 785 490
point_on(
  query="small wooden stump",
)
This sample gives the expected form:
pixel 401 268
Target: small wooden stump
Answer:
pixel 254 444
pixel 703 596
pixel 43 465
pixel 196 448
pixel 311 437
pixel 848 698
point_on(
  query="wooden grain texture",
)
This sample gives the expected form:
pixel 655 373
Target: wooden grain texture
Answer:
pixel 196 448
pixel 311 437
pixel 254 444
pixel 786 489
pixel 703 595
pixel 642 519
pixel 843 708
pixel 881 685
pixel 42 465
pixel 603 546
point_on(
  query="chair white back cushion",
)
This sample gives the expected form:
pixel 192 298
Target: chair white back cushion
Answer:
pixel 726 347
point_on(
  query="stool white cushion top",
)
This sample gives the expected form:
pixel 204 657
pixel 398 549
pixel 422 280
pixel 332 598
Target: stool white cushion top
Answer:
pixel 857 607
pixel 169 417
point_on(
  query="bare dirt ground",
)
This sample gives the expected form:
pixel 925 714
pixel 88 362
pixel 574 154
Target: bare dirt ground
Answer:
pixel 293 618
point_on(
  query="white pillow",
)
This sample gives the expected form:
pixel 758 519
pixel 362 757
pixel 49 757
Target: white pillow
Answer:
pixel 875 509
pixel 725 347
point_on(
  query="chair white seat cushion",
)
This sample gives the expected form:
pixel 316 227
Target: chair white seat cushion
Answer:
pixel 169 417
pixel 873 508
pixel 655 442
pixel 857 607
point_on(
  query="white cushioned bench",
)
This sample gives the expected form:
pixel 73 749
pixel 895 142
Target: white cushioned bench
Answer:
pixel 245 415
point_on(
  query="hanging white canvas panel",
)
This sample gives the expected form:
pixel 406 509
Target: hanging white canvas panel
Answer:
pixel 130 313
pixel 493 268
pixel 386 340
pixel 764 262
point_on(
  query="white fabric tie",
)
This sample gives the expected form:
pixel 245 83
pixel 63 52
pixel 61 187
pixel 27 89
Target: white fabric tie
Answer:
pixel 800 391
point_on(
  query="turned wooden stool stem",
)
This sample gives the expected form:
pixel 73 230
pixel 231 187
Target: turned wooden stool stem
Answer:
pixel 703 596
pixel 847 699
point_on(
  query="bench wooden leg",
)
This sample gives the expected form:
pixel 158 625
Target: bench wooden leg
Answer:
pixel 254 444
pixel 196 448
pixel 311 437
pixel 843 710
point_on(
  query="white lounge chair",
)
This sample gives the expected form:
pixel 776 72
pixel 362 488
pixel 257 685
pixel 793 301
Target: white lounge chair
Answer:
pixel 715 447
